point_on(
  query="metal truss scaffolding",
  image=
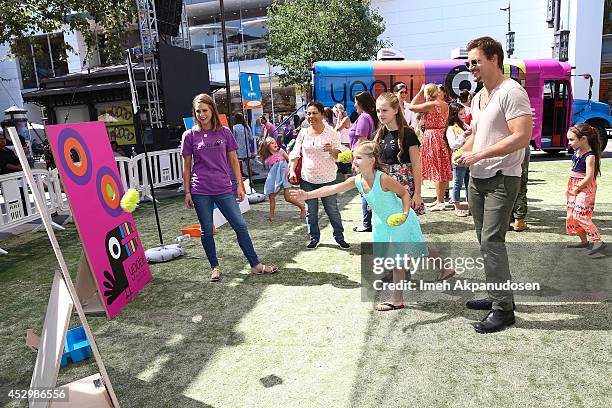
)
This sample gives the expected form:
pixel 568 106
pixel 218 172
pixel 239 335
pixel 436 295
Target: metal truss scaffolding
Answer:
pixel 147 24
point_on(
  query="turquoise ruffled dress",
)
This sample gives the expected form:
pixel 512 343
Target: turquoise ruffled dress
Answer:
pixel 385 203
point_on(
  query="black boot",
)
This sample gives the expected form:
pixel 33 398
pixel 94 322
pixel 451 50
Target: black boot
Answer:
pixel 495 321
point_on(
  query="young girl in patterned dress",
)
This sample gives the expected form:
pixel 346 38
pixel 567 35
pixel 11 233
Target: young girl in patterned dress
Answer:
pixel 581 188
pixel 277 161
pixel 386 196
pixel 399 148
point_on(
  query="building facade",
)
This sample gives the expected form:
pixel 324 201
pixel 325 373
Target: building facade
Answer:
pixel 246 28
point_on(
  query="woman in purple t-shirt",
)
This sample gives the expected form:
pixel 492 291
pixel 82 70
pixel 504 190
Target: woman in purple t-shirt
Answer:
pixel 209 158
pixel 363 129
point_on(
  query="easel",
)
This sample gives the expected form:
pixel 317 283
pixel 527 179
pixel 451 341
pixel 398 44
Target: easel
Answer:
pixel 92 391
pixel 87 290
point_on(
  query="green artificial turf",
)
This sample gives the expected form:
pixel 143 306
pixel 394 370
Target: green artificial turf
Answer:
pixel 303 337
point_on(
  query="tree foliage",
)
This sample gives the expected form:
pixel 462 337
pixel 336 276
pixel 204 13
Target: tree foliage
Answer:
pixel 110 18
pixel 304 31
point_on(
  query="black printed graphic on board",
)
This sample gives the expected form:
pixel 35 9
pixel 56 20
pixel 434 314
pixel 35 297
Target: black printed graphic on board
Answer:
pixel 121 244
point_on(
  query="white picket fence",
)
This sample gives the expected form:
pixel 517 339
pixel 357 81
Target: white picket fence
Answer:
pixel 17 203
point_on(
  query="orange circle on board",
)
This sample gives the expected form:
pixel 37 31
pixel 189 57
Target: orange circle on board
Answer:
pixel 108 185
pixel 70 144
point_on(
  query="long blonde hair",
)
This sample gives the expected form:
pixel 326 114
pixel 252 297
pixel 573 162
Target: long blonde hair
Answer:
pixel 372 149
pixel 394 102
pixel 264 149
pixel 208 100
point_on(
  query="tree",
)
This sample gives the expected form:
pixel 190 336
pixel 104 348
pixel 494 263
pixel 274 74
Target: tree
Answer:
pixel 110 18
pixel 304 31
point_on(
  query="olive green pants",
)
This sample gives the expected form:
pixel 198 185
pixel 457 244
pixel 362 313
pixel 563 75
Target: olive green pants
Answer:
pixel 491 202
pixel 520 205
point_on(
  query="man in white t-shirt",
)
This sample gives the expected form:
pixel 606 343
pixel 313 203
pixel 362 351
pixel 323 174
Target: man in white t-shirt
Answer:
pixel 502 123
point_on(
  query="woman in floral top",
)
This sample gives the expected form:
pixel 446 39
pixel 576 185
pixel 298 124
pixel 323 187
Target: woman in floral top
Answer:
pixel 318 146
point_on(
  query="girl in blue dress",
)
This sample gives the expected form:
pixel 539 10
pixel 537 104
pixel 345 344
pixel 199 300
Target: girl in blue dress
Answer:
pixel 386 196
pixel 276 159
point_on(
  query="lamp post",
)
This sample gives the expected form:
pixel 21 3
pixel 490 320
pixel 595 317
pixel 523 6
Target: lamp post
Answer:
pixel 509 34
pixel 18 118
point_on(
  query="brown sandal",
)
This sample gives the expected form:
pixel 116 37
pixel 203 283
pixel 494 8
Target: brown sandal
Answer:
pixel 215 278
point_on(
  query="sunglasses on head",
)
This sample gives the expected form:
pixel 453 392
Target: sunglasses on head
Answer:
pixel 472 63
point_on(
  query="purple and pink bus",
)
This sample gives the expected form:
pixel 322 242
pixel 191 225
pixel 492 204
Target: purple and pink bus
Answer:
pixel 546 81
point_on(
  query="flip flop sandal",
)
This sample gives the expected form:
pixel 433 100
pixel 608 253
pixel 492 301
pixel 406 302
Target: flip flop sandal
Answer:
pixel 265 271
pixel 438 207
pixel 215 278
pixel 390 305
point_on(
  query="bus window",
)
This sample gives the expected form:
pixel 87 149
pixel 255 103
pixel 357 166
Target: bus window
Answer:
pixel 548 89
pixel 563 94
pixel 555 114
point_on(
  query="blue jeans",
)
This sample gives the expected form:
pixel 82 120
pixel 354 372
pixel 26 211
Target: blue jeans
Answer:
pixel 461 177
pixel 366 214
pixel 330 204
pixel 229 208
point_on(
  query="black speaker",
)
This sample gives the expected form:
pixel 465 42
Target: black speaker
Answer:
pixel 183 75
pixel 168 13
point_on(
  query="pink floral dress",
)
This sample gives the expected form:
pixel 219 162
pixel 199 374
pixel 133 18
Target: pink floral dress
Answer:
pixel 435 153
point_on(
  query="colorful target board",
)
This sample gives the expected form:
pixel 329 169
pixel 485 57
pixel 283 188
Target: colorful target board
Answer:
pixel 92 185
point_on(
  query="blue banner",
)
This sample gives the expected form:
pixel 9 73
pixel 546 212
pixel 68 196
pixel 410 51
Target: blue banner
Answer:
pixel 250 90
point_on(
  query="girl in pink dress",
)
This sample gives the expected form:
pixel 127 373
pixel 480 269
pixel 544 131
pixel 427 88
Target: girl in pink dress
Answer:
pixel 276 159
pixel 435 152
pixel 582 187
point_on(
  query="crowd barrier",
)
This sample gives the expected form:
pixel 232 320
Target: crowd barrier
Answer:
pixel 17 205
pixel 17 202
pixel 166 169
